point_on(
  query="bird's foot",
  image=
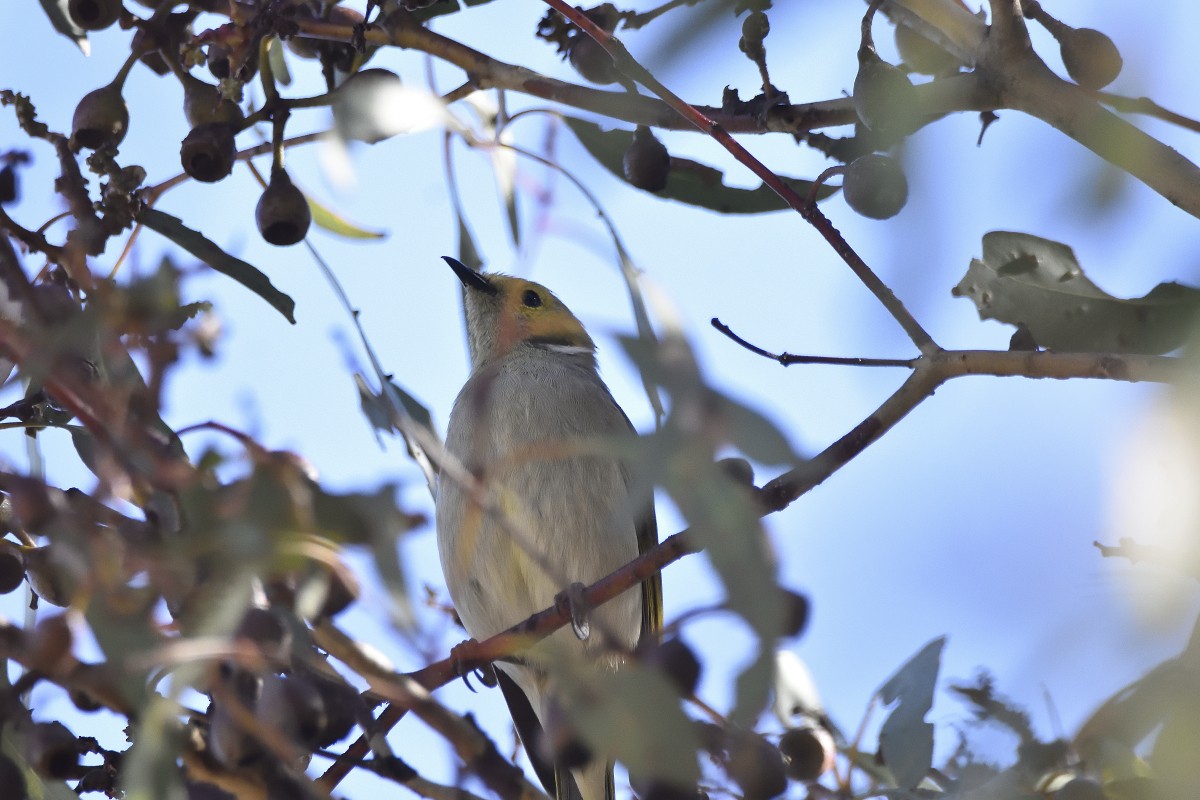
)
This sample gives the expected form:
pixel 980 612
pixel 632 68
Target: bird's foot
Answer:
pixel 457 657
pixel 578 609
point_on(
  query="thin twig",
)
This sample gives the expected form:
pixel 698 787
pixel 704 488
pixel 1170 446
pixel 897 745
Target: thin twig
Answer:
pixel 787 359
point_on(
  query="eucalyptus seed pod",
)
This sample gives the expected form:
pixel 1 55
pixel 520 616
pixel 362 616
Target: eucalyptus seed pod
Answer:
pixel 51 749
pixel 883 96
pixel 592 61
pixel 282 214
pixel 94 15
pixel 647 163
pixel 808 753
pixel 203 103
pixel 677 661
pixel 756 766
pixel 9 185
pixel 208 152
pixel 874 185
pixel 101 118
pixel 12 567
pixel 1091 58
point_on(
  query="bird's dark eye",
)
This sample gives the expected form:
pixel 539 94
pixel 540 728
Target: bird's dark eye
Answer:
pixel 531 299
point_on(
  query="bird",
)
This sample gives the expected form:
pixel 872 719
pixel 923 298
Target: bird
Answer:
pixel 532 396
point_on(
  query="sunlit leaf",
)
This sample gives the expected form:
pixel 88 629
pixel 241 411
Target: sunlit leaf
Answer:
pixel 279 65
pixel 796 694
pixel 689 182
pixel 906 739
pixel 375 104
pixel 208 252
pixel 324 217
pixel 56 10
pixel 1034 282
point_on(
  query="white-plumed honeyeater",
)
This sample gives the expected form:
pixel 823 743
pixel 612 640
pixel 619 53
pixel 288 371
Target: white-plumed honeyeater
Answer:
pixel 521 425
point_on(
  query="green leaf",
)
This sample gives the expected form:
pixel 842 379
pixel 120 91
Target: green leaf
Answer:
pixel 689 182
pixel 326 218
pixel 38 788
pixel 906 739
pixel 208 252
pixel 56 10
pixel 633 715
pixel 374 520
pixel 1035 282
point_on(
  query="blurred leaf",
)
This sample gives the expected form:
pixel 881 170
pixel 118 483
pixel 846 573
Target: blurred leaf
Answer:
pixel 641 316
pixel 796 694
pixel 38 788
pixel 689 182
pixel 379 410
pixel 504 167
pixel 326 218
pixel 279 65
pixel 122 620
pixel 376 521
pixel 906 739
pixel 1030 281
pixel 1127 718
pixel 208 252
pixel 56 10
pixel 722 515
pixel 375 104
pixel 633 715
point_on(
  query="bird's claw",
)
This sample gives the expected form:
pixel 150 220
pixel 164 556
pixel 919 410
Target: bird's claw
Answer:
pixel 457 660
pixel 577 608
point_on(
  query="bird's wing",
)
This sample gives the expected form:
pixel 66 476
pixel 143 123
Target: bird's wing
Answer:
pixel 557 780
pixel 647 538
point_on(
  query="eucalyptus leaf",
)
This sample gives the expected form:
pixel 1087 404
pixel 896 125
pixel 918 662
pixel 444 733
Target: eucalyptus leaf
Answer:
pixel 1037 283
pixel 35 785
pixel 633 715
pixel 906 739
pixel 796 695
pixel 328 219
pixel 204 249
pixel 375 104
pixel 689 181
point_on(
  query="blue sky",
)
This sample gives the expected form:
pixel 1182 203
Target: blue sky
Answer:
pixel 973 518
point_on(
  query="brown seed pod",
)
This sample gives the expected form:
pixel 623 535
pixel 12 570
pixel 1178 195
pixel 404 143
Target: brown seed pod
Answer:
pixel 884 97
pixel 100 119
pixel 677 661
pixel 756 766
pixel 875 186
pixel 51 749
pixel 592 61
pixel 12 567
pixel 808 753
pixel 208 152
pixel 203 103
pixel 1091 58
pixel 282 214
pixel 94 15
pixel 647 163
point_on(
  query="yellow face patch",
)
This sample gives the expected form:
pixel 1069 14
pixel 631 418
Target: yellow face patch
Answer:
pixel 531 312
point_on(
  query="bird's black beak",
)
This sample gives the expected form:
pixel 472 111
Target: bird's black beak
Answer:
pixel 469 277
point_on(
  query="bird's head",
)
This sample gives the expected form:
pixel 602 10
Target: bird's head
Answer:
pixel 504 312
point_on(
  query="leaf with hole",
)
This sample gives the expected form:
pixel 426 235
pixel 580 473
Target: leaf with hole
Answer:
pixel 1038 283
pixel 906 739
